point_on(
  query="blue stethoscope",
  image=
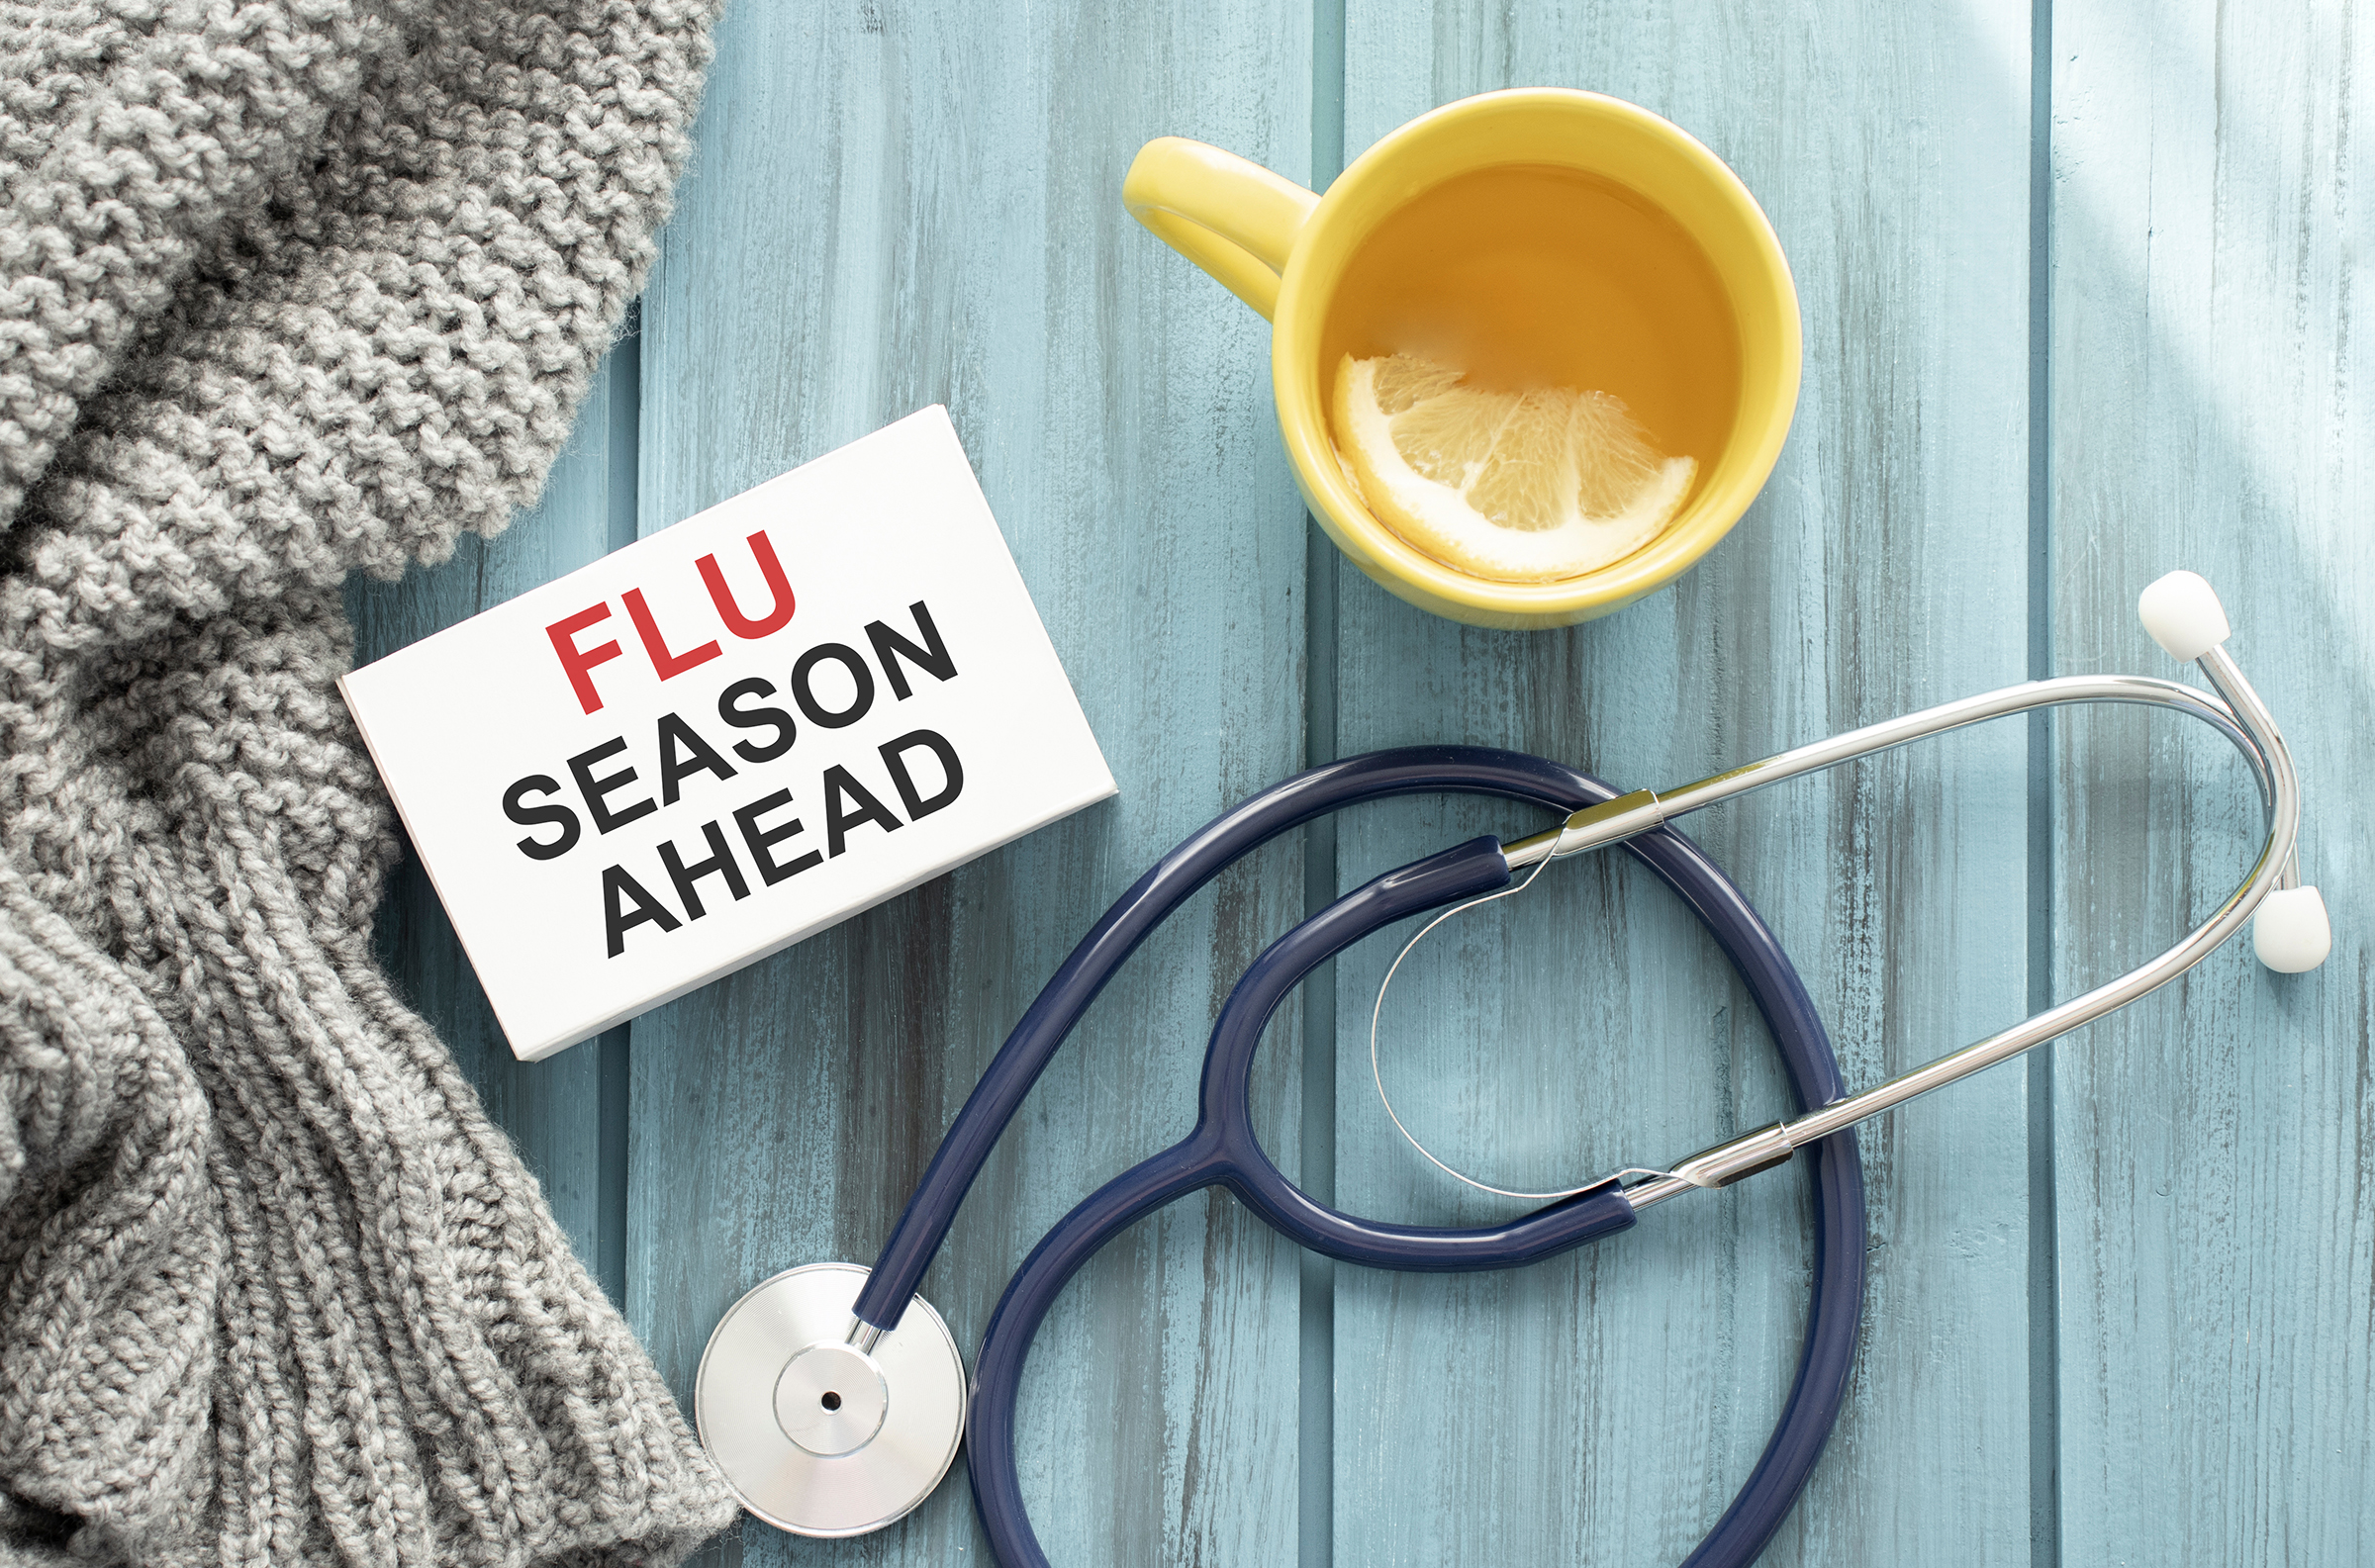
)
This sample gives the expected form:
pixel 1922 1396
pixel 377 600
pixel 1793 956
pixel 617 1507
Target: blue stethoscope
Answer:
pixel 835 1399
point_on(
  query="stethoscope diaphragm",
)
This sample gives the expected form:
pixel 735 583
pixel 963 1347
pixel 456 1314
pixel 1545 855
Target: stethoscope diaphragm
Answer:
pixel 816 1434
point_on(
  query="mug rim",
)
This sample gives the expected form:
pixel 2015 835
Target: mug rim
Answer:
pixel 1402 566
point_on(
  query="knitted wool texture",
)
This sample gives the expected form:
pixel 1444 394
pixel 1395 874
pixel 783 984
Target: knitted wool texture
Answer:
pixel 287 288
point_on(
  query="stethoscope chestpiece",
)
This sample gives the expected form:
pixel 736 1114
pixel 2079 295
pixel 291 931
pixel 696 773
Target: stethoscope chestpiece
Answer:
pixel 816 1434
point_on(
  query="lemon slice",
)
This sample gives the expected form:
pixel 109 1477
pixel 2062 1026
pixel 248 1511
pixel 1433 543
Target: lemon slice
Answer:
pixel 1519 487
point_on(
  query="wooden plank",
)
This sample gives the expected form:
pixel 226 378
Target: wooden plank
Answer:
pixel 2212 410
pixel 551 1109
pixel 1604 1407
pixel 893 205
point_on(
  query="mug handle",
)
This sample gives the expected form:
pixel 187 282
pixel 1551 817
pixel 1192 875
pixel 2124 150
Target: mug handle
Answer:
pixel 1234 218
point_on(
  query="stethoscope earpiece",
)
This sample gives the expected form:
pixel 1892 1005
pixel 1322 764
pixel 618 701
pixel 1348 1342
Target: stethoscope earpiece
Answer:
pixel 2291 933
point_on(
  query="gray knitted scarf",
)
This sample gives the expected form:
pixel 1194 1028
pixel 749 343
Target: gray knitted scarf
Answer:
pixel 287 288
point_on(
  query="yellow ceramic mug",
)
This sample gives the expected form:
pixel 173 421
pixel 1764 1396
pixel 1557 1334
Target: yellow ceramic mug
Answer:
pixel 1285 253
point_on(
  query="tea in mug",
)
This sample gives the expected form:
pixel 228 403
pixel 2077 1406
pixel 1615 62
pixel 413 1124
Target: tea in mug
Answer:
pixel 1531 368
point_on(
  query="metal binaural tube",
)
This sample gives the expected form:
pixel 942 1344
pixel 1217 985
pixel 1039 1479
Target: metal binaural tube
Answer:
pixel 1597 827
pixel 2220 667
pixel 2242 717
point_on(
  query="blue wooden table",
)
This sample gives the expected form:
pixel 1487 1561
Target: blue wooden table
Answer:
pixel 2082 299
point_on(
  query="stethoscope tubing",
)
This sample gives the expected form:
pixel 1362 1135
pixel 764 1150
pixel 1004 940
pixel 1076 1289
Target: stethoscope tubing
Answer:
pixel 1169 882
pixel 1224 1151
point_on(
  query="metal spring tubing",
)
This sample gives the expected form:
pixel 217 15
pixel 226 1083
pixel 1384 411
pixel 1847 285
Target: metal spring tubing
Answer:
pixel 1222 1150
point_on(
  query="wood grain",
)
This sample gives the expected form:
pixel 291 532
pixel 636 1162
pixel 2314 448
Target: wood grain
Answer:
pixel 893 205
pixel 898 205
pixel 1604 1407
pixel 2214 1145
pixel 553 1110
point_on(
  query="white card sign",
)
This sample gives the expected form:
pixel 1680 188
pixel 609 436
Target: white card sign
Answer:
pixel 727 737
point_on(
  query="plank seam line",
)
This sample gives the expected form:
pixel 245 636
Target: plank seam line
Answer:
pixel 2045 1318
pixel 611 1061
pixel 1315 1311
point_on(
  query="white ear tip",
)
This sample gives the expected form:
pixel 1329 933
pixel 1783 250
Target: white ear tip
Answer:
pixel 2291 933
pixel 2182 613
